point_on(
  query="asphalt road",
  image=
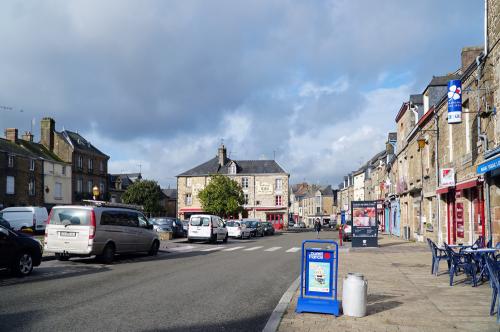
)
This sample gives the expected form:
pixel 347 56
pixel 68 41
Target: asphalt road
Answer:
pixel 192 287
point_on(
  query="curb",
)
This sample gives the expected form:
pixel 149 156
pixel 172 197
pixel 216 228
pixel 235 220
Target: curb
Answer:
pixel 48 258
pixel 274 321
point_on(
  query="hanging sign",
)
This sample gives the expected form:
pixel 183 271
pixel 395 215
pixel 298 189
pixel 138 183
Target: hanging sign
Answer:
pixel 454 101
pixel 447 177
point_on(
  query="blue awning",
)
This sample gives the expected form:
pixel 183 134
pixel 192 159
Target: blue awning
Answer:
pixel 489 165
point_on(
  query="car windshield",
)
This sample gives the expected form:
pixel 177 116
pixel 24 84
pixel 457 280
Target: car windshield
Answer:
pixel 254 223
pixel 232 224
pixel 163 221
pixel 200 221
pixel 70 217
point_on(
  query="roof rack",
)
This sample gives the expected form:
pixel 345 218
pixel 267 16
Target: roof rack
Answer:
pixel 111 204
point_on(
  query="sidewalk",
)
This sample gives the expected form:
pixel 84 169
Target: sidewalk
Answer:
pixel 402 295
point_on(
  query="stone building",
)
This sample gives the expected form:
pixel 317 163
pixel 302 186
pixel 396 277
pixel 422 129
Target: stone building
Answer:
pixel 359 183
pixel 297 193
pixel 320 202
pixel 89 165
pixel 31 175
pixel 169 202
pixel 265 186
pixel 118 184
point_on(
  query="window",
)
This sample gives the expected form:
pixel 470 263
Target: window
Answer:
pixel 232 168
pixel 11 161
pixel 101 166
pixel 143 222
pixel 79 162
pixel 244 183
pixel 79 185
pixel 101 187
pixel 31 187
pixel 10 185
pixel 63 170
pixel 318 200
pixel 279 184
pixel 89 186
pixel 189 199
pixel 278 200
pixel 318 210
pixel 90 164
pixel 58 191
pixel 246 199
pixel 188 182
pixel 32 164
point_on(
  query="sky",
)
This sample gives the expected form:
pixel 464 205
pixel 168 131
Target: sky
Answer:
pixel 158 85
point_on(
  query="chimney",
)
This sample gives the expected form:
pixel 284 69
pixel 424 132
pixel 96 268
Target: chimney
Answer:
pixel 47 128
pixel 11 134
pixel 222 155
pixel 469 55
pixel 28 136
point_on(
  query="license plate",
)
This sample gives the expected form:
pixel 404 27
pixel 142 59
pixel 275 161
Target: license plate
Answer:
pixel 67 234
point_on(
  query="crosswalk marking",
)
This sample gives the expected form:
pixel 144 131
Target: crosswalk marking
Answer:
pixel 184 248
pixel 212 249
pixel 294 249
pixel 273 249
pixel 233 248
pixel 253 248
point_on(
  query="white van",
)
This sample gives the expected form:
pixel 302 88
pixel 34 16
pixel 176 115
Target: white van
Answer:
pixel 103 231
pixel 22 217
pixel 204 227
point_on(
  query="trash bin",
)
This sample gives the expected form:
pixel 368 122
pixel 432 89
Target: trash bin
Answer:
pixel 354 293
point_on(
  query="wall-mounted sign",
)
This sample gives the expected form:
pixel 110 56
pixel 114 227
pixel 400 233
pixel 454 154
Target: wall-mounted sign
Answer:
pixel 264 188
pixel 447 177
pixel 454 101
pixel 364 224
pixel 489 165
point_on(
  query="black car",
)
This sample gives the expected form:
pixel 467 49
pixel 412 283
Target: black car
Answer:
pixel 268 228
pixel 171 224
pixel 18 252
pixel 256 227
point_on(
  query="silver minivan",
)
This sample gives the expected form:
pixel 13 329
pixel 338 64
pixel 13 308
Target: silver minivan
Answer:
pixel 98 230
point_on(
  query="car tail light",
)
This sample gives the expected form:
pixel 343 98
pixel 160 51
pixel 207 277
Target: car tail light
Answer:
pixel 92 225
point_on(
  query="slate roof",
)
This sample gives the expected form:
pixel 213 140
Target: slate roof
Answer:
pixel 13 148
pixel 80 142
pixel 418 99
pixel 170 193
pixel 243 167
pixel 326 191
pixel 27 149
pixel 393 136
pixel 443 80
pixel 126 179
pixel 39 150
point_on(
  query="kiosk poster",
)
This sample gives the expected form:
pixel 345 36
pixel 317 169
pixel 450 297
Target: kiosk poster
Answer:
pixel 319 275
pixel 364 224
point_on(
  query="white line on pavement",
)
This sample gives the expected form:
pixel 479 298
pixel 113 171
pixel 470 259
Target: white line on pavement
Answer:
pixel 273 249
pixel 294 249
pixel 183 248
pixel 233 248
pixel 253 248
pixel 212 249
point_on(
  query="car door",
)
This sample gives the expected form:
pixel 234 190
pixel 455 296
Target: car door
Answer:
pixel 145 235
pixel 7 246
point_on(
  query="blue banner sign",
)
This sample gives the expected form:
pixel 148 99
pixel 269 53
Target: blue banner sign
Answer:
pixel 454 101
pixel 318 279
pixel 490 165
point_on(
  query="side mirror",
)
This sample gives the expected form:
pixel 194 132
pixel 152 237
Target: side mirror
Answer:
pixel 150 226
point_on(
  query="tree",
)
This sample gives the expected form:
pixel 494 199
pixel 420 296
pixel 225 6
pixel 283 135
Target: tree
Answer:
pixel 222 197
pixel 146 193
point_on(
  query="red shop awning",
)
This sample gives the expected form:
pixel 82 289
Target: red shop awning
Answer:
pixel 467 184
pixel 443 190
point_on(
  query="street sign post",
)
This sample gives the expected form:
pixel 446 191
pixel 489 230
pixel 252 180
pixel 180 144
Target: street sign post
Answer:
pixel 318 279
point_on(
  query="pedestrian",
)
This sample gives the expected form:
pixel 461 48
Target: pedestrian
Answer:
pixel 317 227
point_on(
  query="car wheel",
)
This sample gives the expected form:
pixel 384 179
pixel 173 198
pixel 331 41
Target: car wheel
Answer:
pixel 23 265
pixel 62 257
pixel 108 254
pixel 262 234
pixel 154 249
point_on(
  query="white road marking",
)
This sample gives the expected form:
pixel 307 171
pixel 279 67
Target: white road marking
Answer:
pixel 253 248
pixel 212 249
pixel 233 248
pixel 273 249
pixel 293 249
pixel 183 248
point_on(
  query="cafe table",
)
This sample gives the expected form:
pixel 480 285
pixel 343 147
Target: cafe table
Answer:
pixel 479 255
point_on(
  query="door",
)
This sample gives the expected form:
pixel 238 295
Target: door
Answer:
pixel 145 236
pixel 7 247
pixel 478 212
pixel 451 223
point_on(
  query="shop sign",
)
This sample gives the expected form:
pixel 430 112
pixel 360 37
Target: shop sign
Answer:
pixel 264 188
pixel 460 219
pixel 488 166
pixel 364 224
pixel 454 101
pixel 447 177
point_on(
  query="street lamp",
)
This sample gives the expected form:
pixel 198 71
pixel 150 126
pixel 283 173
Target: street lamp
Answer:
pixel 95 192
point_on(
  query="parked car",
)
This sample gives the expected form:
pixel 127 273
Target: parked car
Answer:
pixel 18 252
pixel 206 227
pixel 4 223
pixel 185 227
pixel 236 229
pixel 26 217
pixel 255 226
pixel 268 228
pixel 291 223
pixel 300 224
pixel 168 224
pixel 101 230
pixel 347 231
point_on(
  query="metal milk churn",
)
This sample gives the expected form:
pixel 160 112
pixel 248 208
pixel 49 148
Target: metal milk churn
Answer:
pixel 354 293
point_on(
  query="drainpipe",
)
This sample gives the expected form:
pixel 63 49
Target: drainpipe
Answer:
pixel 485 27
pixel 436 162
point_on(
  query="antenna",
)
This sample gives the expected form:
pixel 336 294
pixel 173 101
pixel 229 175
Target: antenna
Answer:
pixel 140 168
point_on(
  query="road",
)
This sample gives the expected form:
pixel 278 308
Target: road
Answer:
pixel 192 287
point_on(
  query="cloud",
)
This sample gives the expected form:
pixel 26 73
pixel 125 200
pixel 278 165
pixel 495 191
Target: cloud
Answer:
pixel 160 83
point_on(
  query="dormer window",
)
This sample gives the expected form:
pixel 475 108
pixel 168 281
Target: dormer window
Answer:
pixel 232 168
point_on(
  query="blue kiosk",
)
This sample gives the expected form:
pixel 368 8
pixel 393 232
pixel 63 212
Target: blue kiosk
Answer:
pixel 318 279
